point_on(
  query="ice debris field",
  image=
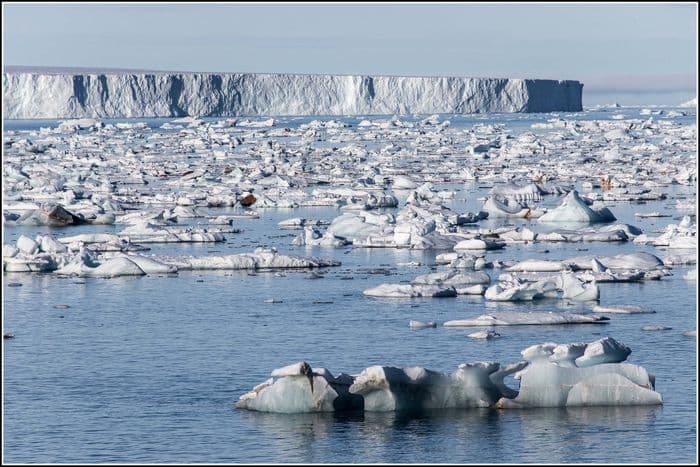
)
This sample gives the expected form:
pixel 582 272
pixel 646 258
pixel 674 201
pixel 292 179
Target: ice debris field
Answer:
pixel 118 198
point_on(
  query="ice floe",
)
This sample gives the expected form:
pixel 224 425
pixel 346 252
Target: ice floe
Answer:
pixel 552 375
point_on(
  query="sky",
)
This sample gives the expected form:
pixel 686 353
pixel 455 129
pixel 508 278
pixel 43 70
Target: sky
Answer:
pixel 629 53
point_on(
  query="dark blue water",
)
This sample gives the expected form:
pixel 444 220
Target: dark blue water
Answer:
pixel 147 369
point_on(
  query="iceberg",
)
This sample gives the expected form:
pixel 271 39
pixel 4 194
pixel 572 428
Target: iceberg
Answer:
pixel 478 244
pixel 119 266
pixel 301 389
pixel 639 260
pixel 691 103
pixel 575 289
pixel 32 95
pixel 487 334
pixel 261 258
pixel 552 375
pixel 573 209
pixel 410 291
pixel 514 318
pixel 414 324
pixel 501 207
pixel 622 309
pixel 453 278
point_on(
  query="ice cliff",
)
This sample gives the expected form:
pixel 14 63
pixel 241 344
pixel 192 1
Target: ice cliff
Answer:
pixel 33 95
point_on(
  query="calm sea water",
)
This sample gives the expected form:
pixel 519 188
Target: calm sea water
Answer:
pixel 147 369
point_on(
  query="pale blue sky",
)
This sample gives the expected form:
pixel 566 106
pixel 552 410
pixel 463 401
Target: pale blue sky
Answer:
pixel 640 51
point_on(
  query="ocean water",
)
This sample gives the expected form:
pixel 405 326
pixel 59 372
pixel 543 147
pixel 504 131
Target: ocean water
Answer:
pixel 147 369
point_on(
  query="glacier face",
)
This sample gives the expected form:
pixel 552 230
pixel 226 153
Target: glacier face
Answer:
pixel 29 95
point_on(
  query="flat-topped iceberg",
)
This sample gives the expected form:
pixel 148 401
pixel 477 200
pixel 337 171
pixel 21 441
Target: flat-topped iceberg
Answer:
pixel 622 309
pixel 410 291
pixel 261 258
pixel 514 318
pixel 121 95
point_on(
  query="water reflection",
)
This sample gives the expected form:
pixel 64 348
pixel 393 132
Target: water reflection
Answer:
pixel 551 434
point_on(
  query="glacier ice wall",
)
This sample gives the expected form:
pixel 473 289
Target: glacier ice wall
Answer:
pixel 31 95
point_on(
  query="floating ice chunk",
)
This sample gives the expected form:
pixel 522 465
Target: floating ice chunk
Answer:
pixel 42 262
pixel 446 258
pixel 538 351
pixel 27 245
pixel 638 260
pixel 519 235
pixel 693 333
pixel 410 291
pixel 619 275
pixel 605 350
pixel 624 309
pixel 519 292
pixel 549 378
pixel 566 354
pixel 487 334
pixel 91 238
pixel 119 266
pixel 149 265
pixel 574 209
pixel 691 103
pixel 575 289
pixel 466 262
pixel 691 275
pixel 607 389
pixel 534 265
pixel 300 222
pixel 516 291
pixel 53 215
pixel 671 260
pixel 655 327
pixel 359 226
pixel 261 258
pixel 295 369
pixel 453 278
pixel 683 242
pixel 410 264
pixel 518 318
pixel 598 383
pixel 505 208
pixel 529 192
pixel 413 324
pixel 609 384
pixel 478 289
pixel 145 232
pixel 310 391
pixel 9 251
pixel 651 214
pixel 478 244
pixel 416 388
pixel 313 236
pixel 402 182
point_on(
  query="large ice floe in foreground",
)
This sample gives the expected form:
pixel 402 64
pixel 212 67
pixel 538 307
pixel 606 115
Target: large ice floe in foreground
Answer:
pixel 552 375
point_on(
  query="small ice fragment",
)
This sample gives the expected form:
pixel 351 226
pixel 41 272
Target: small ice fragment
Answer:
pixel 655 327
pixel 487 334
pixel 413 324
